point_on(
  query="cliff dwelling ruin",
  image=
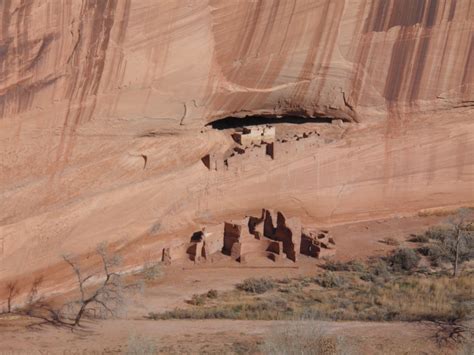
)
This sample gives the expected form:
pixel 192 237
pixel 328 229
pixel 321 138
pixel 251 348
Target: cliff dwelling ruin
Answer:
pixel 257 139
pixel 271 235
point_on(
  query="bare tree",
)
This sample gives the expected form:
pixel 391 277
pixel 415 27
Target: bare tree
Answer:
pixel 33 300
pixel 107 294
pixel 455 243
pixel 13 291
pixel 33 294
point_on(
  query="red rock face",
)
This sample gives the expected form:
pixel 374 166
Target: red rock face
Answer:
pixel 102 104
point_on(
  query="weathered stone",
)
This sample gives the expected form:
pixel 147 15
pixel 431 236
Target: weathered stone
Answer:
pixel 166 256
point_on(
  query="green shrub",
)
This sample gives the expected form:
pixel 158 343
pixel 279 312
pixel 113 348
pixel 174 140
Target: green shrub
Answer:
pixel 404 260
pixel 256 285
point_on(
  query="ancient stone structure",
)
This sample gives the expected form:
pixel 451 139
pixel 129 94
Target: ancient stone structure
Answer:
pixel 270 150
pixel 255 135
pixel 271 235
pixel 317 243
pixel 239 242
pixel 256 225
pixel 197 250
pixel 287 231
pixel 232 233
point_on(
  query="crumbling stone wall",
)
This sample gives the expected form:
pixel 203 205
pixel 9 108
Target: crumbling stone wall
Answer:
pixel 232 234
pixel 255 135
pixel 317 244
pixel 288 231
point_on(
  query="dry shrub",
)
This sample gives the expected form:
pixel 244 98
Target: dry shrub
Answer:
pixel 330 279
pixel 197 300
pixel 300 338
pixel 439 212
pixel 212 294
pixel 256 285
pixel 352 265
pixel 390 241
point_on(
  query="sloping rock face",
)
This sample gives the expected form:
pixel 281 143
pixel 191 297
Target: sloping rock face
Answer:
pixel 102 105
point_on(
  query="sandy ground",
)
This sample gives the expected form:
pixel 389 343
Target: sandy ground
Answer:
pixel 210 336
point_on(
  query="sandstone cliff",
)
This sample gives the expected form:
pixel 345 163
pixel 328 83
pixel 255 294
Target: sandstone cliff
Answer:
pixel 92 90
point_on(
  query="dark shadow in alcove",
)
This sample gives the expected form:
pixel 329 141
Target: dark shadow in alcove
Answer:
pixel 238 122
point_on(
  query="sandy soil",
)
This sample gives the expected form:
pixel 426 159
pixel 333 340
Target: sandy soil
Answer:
pixel 210 336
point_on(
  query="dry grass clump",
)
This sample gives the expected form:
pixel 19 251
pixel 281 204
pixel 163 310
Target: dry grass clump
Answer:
pixel 300 338
pixel 255 309
pixel 199 300
pixel 256 285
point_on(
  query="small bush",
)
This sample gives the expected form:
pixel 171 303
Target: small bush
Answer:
pixel 212 294
pixel 404 260
pixel 197 300
pixel 352 265
pixel 330 280
pixel 254 285
pixel 438 233
pixel 419 238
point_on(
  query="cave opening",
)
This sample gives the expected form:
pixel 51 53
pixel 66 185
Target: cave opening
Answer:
pixel 258 120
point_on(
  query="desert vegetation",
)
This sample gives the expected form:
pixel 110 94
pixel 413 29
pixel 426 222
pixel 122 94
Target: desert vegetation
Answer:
pixel 302 338
pixel 376 291
pixel 99 292
pixel 451 243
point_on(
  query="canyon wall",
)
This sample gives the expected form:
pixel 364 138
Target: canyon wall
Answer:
pixel 102 104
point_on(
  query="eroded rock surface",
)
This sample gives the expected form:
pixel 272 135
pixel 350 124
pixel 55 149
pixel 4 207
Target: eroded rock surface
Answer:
pixel 103 106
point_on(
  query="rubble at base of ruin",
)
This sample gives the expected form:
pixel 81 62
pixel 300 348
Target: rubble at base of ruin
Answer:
pixel 270 235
